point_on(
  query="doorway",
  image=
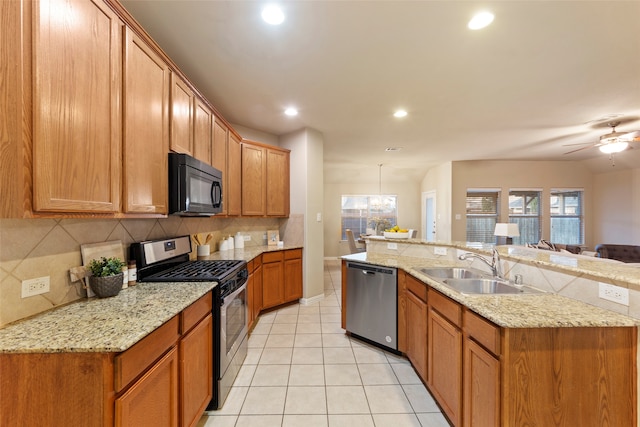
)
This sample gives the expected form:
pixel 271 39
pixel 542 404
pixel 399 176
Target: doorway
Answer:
pixel 429 216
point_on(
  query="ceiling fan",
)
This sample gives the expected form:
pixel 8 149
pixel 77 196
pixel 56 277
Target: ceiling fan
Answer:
pixel 613 142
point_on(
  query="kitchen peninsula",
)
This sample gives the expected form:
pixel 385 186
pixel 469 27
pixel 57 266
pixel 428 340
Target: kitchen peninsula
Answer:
pixel 512 360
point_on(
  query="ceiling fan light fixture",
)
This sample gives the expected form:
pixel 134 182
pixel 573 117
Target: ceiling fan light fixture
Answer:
pixel 272 14
pixel 614 147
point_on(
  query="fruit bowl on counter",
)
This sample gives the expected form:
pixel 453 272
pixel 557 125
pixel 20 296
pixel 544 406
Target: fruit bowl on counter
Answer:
pixel 395 235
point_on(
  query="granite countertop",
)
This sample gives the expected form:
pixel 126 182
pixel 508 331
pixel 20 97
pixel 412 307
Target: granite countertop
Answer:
pixel 113 324
pixel 544 310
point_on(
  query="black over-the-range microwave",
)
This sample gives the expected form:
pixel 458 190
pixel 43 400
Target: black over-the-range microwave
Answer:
pixel 195 188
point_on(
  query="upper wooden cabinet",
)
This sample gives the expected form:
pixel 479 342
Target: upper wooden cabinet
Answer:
pixel 265 180
pixel 219 157
pixel 202 132
pixel 182 105
pixel 146 128
pixel 77 63
pixel 233 190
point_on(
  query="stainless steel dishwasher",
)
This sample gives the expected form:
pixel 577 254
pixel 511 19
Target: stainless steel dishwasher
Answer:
pixel 372 303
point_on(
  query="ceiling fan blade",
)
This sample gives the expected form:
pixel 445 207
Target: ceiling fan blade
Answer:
pixel 578 143
pixel 579 149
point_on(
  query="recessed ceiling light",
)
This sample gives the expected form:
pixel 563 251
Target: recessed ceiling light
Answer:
pixel 291 112
pixel 400 113
pixel 272 14
pixel 480 20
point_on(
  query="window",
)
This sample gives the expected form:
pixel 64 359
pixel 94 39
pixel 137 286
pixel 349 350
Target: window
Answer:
pixel 482 215
pixel 567 225
pixel 362 212
pixel 524 210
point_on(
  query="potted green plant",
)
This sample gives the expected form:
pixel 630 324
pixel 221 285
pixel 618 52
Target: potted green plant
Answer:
pixel 106 276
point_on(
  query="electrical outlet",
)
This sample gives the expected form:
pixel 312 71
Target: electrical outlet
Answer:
pixel 392 246
pixel 37 286
pixel 438 250
pixel 613 293
pixel 246 238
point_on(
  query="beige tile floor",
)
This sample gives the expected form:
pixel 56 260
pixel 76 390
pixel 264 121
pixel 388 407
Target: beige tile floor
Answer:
pixel 302 370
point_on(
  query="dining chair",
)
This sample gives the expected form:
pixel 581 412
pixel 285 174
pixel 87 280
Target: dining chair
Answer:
pixel 353 247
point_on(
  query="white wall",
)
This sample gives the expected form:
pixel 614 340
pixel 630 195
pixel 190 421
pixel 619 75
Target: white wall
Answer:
pixel 438 179
pixel 508 175
pixel 306 183
pixel 616 215
pixel 256 135
pixel 408 208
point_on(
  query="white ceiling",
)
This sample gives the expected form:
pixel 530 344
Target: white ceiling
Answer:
pixel 519 89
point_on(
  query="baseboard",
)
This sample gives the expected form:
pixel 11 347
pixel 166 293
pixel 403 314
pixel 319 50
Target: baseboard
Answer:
pixel 312 300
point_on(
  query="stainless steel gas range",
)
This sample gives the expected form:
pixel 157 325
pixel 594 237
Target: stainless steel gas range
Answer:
pixel 167 260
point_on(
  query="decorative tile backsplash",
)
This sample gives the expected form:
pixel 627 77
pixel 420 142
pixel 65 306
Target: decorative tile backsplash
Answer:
pixel 31 248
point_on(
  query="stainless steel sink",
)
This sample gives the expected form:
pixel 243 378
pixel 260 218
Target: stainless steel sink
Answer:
pixel 486 286
pixel 452 273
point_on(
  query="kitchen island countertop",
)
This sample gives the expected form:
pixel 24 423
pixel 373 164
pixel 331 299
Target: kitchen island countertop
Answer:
pixel 545 310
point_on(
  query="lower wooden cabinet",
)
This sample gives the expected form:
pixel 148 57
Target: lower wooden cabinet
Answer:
pixel 254 289
pixel 163 380
pixel 416 325
pixel 152 400
pixel 281 277
pixel 481 386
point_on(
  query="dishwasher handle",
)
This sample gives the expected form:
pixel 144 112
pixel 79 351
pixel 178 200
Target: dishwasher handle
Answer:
pixel 371 269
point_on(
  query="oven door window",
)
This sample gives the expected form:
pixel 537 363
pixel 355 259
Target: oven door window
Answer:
pixel 236 318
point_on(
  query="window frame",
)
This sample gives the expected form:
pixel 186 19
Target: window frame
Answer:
pixel 579 215
pixel 488 233
pixel 369 213
pixel 523 239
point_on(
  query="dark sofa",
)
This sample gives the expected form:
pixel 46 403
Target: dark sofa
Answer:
pixel 624 253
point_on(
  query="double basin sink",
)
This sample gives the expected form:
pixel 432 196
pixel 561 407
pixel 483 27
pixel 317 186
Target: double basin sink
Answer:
pixel 473 282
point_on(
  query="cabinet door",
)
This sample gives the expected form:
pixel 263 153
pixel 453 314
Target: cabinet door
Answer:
pixel 153 399
pixel 277 183
pixel 293 276
pixel 77 119
pixel 146 128
pixel 445 365
pixel 416 311
pixel 253 180
pixel 182 99
pixel 196 371
pixel 272 286
pixel 258 290
pixel 234 174
pixel 481 387
pixel 219 157
pixel 202 132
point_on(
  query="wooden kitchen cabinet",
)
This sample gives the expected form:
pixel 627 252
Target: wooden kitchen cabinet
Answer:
pixel 233 192
pixel 254 289
pixel 272 279
pixel 281 277
pixel 202 131
pixel 254 190
pixel 146 128
pixel 165 379
pixel 416 325
pixel 77 139
pixel 265 180
pixel 182 105
pixel 277 183
pixel 153 400
pixel 227 157
pixel 196 365
pixel 444 355
pixel 292 274
pixel 481 386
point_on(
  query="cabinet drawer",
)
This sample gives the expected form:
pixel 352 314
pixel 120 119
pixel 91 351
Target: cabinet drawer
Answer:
pixel 482 331
pixel 448 308
pixel 133 362
pixel 293 254
pixel 196 311
pixel 418 288
pixel 275 256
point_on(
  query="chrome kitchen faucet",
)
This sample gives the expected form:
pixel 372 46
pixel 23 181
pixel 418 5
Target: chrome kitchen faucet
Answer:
pixel 494 264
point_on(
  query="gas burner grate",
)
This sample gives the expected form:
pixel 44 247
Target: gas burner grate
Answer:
pixel 198 271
